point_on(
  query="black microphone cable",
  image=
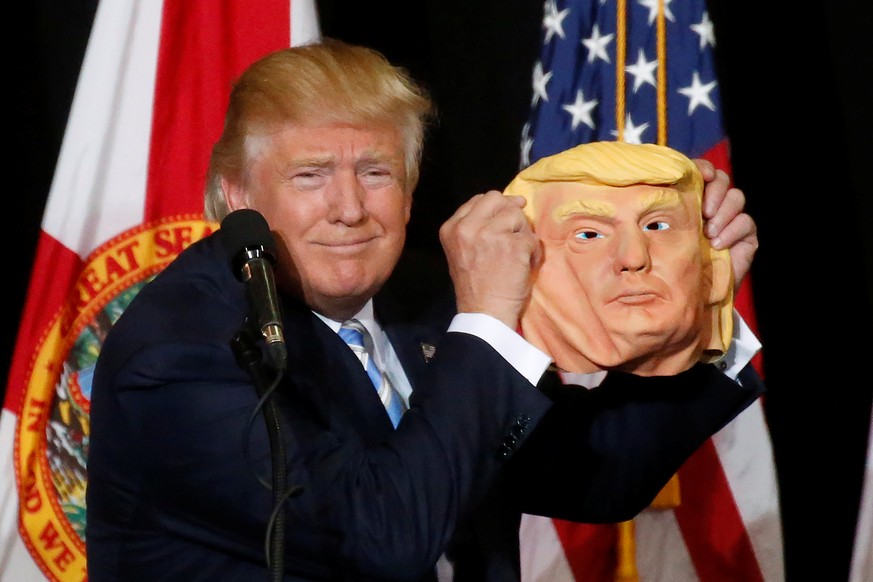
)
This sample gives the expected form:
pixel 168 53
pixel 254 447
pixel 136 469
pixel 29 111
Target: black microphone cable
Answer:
pixel 249 357
pixel 251 253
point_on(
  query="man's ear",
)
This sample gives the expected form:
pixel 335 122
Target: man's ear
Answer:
pixel 407 210
pixel 234 194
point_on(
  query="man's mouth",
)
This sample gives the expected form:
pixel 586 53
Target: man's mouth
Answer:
pixel 348 245
pixel 637 297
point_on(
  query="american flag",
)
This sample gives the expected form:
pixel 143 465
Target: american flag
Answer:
pixel 643 71
pixel 667 87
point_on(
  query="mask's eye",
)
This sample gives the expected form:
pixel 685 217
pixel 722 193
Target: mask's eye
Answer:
pixel 588 235
pixel 657 225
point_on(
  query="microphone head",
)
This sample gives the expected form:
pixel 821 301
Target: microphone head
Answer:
pixel 246 235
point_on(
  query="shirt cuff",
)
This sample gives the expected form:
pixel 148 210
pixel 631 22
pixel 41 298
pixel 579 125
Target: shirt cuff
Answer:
pixel 744 346
pixel 527 359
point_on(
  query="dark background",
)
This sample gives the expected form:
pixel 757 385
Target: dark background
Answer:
pixel 797 89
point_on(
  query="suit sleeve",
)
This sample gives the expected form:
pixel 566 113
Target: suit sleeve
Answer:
pixel 602 455
pixel 175 438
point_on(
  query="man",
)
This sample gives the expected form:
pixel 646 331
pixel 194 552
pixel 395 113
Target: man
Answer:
pixel 629 281
pixel 324 141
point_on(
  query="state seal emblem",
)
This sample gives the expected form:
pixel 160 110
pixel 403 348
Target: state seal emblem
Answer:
pixel 51 441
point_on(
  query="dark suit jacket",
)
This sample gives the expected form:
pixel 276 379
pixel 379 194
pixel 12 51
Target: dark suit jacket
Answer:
pixel 178 461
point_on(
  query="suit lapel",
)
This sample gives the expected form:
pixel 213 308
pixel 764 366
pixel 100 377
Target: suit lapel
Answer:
pixel 413 337
pixel 324 370
pixel 415 345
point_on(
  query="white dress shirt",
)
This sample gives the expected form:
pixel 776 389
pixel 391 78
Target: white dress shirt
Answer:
pixel 527 359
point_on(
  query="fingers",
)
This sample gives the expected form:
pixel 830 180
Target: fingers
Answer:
pixel 726 225
pixel 740 229
pixel 742 254
pixel 491 204
pixel 740 237
pixel 707 169
pixel 487 216
pixel 730 208
pixel 491 249
pixel 716 191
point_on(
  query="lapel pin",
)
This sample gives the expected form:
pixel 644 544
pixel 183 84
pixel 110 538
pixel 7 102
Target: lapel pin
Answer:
pixel 427 351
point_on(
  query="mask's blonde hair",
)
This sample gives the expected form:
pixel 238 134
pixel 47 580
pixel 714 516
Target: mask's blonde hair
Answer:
pixel 618 164
pixel 609 163
pixel 327 82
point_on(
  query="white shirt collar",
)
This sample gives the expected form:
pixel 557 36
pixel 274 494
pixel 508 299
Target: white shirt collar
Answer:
pixel 365 316
pixel 386 358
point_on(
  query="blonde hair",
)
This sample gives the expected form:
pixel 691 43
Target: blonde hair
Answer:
pixel 329 81
pixel 615 163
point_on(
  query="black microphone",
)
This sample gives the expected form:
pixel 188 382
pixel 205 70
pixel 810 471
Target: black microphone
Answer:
pixel 251 252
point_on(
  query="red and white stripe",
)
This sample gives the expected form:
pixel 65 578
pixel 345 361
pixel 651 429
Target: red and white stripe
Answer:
pixel 726 528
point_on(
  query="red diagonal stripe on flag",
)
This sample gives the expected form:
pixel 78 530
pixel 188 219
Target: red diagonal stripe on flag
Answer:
pixel 711 523
pixel 590 549
pixel 54 267
pixel 202 52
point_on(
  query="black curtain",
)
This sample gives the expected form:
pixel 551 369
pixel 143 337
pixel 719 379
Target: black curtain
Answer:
pixel 796 89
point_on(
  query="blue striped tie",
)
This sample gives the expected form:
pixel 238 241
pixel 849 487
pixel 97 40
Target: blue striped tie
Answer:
pixel 359 340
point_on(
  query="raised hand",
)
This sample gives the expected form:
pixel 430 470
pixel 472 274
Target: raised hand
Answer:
pixel 491 251
pixel 725 223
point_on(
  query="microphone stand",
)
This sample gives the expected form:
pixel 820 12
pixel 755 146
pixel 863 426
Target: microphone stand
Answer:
pixel 249 358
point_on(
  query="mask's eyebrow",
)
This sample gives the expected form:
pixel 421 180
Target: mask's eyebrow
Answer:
pixel 591 208
pixel 661 198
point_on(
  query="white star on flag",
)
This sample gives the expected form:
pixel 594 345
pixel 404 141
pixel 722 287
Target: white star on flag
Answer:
pixel 580 110
pixel 553 19
pixel 643 71
pixel 705 30
pixel 698 94
pixel 596 45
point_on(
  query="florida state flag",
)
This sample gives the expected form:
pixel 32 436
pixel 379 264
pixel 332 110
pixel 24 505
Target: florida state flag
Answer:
pixel 126 198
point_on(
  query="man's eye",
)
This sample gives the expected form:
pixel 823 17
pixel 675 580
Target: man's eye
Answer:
pixel 307 180
pixel 588 235
pixel 376 177
pixel 658 225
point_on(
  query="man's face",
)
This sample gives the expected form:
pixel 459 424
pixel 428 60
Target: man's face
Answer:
pixel 622 278
pixel 335 199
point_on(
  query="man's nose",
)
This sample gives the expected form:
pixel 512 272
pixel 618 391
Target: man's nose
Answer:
pixel 347 199
pixel 631 250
